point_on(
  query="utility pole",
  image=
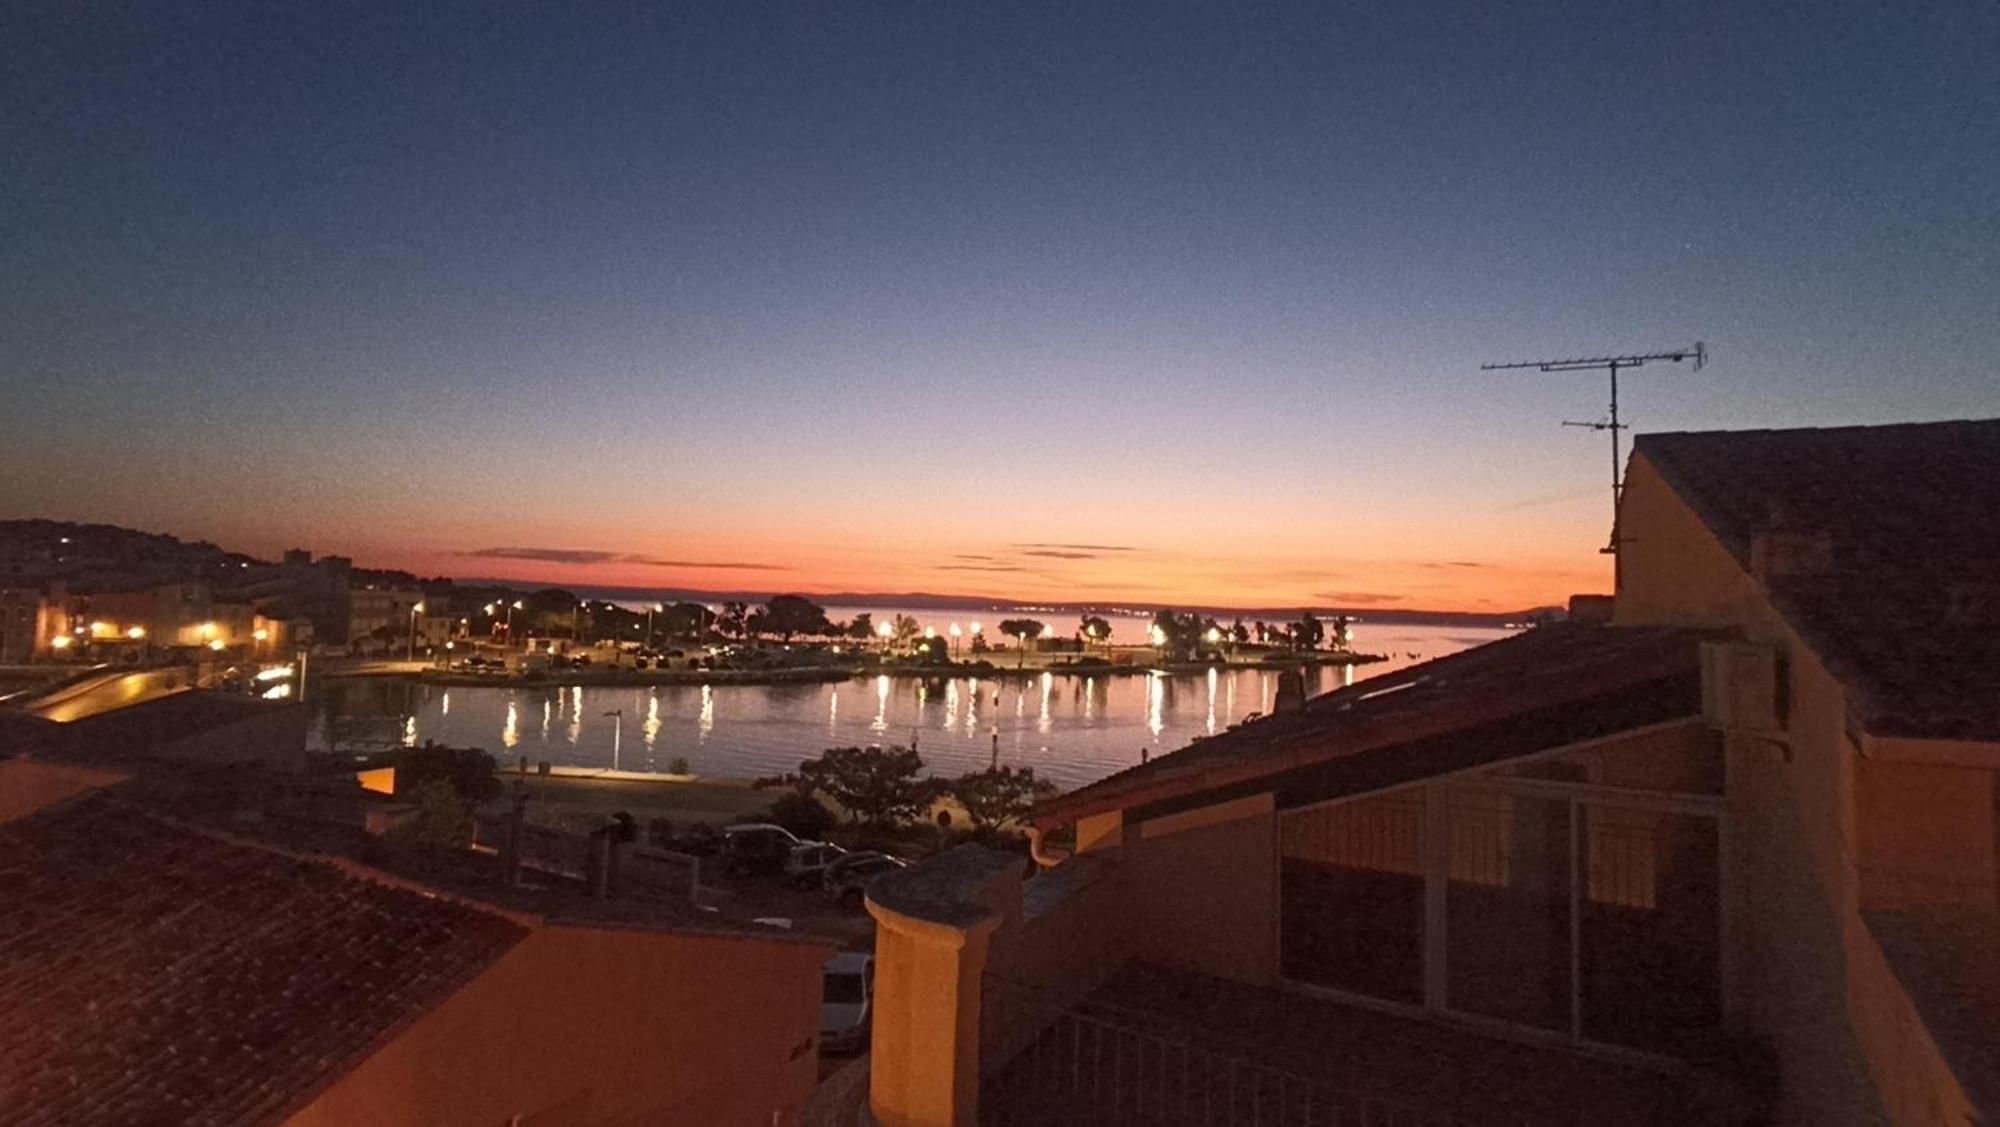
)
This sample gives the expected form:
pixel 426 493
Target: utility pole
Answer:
pixel 1611 364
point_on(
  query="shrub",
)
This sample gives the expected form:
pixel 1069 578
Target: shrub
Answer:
pixel 660 831
pixel 443 819
pixel 678 765
pixel 802 814
pixel 467 770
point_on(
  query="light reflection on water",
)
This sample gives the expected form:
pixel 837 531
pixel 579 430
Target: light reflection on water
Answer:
pixel 1073 730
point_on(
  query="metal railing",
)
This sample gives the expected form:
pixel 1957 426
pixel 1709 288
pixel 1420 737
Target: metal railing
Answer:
pixel 1098 1064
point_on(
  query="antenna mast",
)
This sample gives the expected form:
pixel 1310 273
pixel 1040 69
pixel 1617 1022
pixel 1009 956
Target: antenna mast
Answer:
pixel 1698 354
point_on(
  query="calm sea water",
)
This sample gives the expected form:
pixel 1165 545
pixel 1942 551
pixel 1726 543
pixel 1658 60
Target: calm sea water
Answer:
pixel 1073 730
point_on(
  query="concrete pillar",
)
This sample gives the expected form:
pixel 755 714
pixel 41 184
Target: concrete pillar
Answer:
pixel 934 928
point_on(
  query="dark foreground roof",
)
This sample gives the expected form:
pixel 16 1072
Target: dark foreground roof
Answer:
pixel 1906 610
pixel 151 973
pixel 1947 958
pixel 135 731
pixel 1541 689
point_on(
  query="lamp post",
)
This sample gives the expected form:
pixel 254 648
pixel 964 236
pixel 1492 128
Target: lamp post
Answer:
pixel 617 733
pixel 656 608
pixel 955 634
pixel 415 610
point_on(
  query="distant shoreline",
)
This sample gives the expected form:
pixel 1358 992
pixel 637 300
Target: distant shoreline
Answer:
pixel 627 678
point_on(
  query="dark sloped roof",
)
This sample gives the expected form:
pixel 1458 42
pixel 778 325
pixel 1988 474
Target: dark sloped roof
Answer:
pixel 135 730
pixel 1907 609
pixel 152 973
pixel 1539 688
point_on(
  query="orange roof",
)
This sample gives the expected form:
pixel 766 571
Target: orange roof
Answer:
pixel 154 973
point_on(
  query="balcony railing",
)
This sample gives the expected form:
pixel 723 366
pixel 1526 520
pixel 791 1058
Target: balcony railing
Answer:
pixel 1099 1063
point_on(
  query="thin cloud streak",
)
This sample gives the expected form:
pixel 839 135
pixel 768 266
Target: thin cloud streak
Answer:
pixel 592 556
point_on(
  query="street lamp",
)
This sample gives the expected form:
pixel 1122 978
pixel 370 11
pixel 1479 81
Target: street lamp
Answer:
pixel 955 634
pixel 415 610
pixel 656 608
pixel 617 734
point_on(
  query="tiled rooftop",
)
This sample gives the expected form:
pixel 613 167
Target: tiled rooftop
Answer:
pixel 1540 689
pixel 1906 609
pixel 154 973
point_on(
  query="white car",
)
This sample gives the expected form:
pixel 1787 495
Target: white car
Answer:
pixel 807 863
pixel 846 1002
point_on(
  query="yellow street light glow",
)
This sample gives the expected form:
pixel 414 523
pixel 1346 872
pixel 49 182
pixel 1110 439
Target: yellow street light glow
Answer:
pixel 60 641
pixel 216 645
pixel 260 634
pixel 517 604
pixel 975 628
pixel 417 609
pixel 930 632
pixel 136 633
pixel 1214 635
pixel 208 629
pixel 885 629
pixel 102 629
pixel 489 608
pixel 955 631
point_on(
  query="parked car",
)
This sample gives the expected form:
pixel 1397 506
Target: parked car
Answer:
pixel 852 884
pixel 807 863
pixel 846 996
pixel 756 847
pixel 842 864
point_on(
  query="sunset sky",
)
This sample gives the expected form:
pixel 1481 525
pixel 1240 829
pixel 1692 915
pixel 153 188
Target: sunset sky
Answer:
pixel 1141 303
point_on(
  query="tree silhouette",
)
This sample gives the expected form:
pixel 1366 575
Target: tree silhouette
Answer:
pixel 1022 630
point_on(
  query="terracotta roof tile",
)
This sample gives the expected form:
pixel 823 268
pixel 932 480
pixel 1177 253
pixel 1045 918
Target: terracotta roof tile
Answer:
pixel 152 973
pixel 1905 606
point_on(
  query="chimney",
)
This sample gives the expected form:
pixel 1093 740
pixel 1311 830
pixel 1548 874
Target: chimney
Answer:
pixel 1291 692
pixel 1591 610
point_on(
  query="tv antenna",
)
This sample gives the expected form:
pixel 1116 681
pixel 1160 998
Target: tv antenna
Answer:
pixel 1612 364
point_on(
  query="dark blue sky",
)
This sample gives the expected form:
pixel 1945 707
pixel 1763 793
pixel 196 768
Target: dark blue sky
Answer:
pixel 873 283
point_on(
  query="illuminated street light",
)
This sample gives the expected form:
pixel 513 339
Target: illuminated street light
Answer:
pixel 216 645
pixel 60 641
pixel 136 633
pixel 260 634
pixel 1214 635
pixel 956 633
pixel 416 609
